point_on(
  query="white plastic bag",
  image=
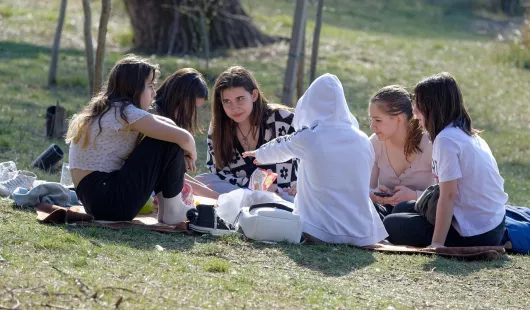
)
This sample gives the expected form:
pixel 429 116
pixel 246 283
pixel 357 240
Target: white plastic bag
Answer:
pixel 229 204
pixel 8 170
pixel 260 197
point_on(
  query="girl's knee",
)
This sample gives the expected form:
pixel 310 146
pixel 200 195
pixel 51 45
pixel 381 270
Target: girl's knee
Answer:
pixel 404 207
pixel 392 222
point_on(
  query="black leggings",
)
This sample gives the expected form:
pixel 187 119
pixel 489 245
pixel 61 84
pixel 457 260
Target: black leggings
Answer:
pixel 407 227
pixel 154 165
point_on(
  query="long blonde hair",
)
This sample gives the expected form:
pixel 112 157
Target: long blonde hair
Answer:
pixel 125 84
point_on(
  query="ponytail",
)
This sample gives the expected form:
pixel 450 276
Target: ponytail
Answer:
pixel 414 136
pixel 395 100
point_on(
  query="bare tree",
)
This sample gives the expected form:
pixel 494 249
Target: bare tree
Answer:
pixel 175 27
pixel 294 51
pixel 316 42
pixel 89 48
pixel 52 74
pixel 301 68
pixel 100 52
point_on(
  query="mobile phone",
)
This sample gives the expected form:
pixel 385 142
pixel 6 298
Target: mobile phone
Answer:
pixel 382 194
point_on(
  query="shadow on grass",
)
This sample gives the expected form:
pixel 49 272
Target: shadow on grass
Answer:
pixel 138 238
pixel 460 268
pixel 329 260
pixel 14 50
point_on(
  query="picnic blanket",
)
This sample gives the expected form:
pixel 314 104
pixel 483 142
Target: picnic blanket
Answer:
pixel 48 213
pixel 476 253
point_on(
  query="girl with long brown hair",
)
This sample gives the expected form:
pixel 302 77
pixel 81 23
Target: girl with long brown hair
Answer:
pixel 243 120
pixel 470 210
pixel 402 168
pixel 178 98
pixel 115 171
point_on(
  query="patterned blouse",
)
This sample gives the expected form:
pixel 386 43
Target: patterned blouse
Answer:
pixel 239 169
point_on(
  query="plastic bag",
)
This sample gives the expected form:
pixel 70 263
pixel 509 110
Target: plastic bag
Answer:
pixel 261 179
pixel 260 197
pixel 229 204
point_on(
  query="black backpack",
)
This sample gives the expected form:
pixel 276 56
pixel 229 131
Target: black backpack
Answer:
pixel 426 204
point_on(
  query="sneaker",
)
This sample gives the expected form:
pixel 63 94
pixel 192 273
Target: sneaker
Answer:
pixel 204 219
pixel 21 178
pixel 8 170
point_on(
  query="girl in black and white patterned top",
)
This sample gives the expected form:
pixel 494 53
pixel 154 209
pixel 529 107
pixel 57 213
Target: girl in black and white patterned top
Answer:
pixel 243 120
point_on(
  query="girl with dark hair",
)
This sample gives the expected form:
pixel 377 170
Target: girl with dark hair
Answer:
pixel 403 152
pixel 113 169
pixel 243 120
pixel 470 210
pixel 178 98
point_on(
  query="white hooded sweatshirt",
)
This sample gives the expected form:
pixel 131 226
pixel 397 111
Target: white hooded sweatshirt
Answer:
pixel 336 160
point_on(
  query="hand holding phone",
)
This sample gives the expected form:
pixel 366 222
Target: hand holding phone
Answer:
pixel 383 194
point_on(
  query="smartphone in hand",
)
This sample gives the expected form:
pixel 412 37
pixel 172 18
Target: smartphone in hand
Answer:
pixel 382 194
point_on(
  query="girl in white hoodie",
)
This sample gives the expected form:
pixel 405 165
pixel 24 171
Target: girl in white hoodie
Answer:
pixel 336 159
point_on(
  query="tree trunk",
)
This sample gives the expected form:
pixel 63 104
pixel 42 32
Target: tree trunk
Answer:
pixel 52 75
pixel 301 68
pixel 89 48
pixel 316 42
pixel 294 51
pixel 174 26
pixel 100 52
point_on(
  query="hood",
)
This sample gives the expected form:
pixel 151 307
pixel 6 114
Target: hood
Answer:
pixel 323 103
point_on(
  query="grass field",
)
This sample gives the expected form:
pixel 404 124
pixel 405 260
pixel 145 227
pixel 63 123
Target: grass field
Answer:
pixel 367 44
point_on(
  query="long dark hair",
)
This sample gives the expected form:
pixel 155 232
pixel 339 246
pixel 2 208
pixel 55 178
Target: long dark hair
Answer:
pixel 395 100
pixel 224 128
pixel 125 84
pixel 440 100
pixel 176 96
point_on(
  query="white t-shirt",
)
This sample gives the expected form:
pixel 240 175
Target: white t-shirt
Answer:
pixel 480 198
pixel 107 151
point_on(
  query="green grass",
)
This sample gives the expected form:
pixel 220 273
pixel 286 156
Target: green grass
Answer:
pixel 368 44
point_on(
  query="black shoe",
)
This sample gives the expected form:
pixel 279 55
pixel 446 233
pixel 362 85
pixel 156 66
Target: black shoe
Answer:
pixel 205 220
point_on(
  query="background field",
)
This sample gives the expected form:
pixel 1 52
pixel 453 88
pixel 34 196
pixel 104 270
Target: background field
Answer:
pixel 367 44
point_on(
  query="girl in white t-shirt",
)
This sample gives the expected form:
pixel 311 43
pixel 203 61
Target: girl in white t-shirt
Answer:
pixel 471 207
pixel 113 169
pixel 403 152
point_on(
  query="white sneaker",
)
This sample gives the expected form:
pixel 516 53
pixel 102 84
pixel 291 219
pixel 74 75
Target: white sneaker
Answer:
pixel 23 179
pixel 8 170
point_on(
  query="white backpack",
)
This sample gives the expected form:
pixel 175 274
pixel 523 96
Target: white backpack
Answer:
pixel 271 222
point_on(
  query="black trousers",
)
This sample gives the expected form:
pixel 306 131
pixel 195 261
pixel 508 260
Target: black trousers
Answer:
pixel 407 227
pixel 383 210
pixel 386 210
pixel 154 165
